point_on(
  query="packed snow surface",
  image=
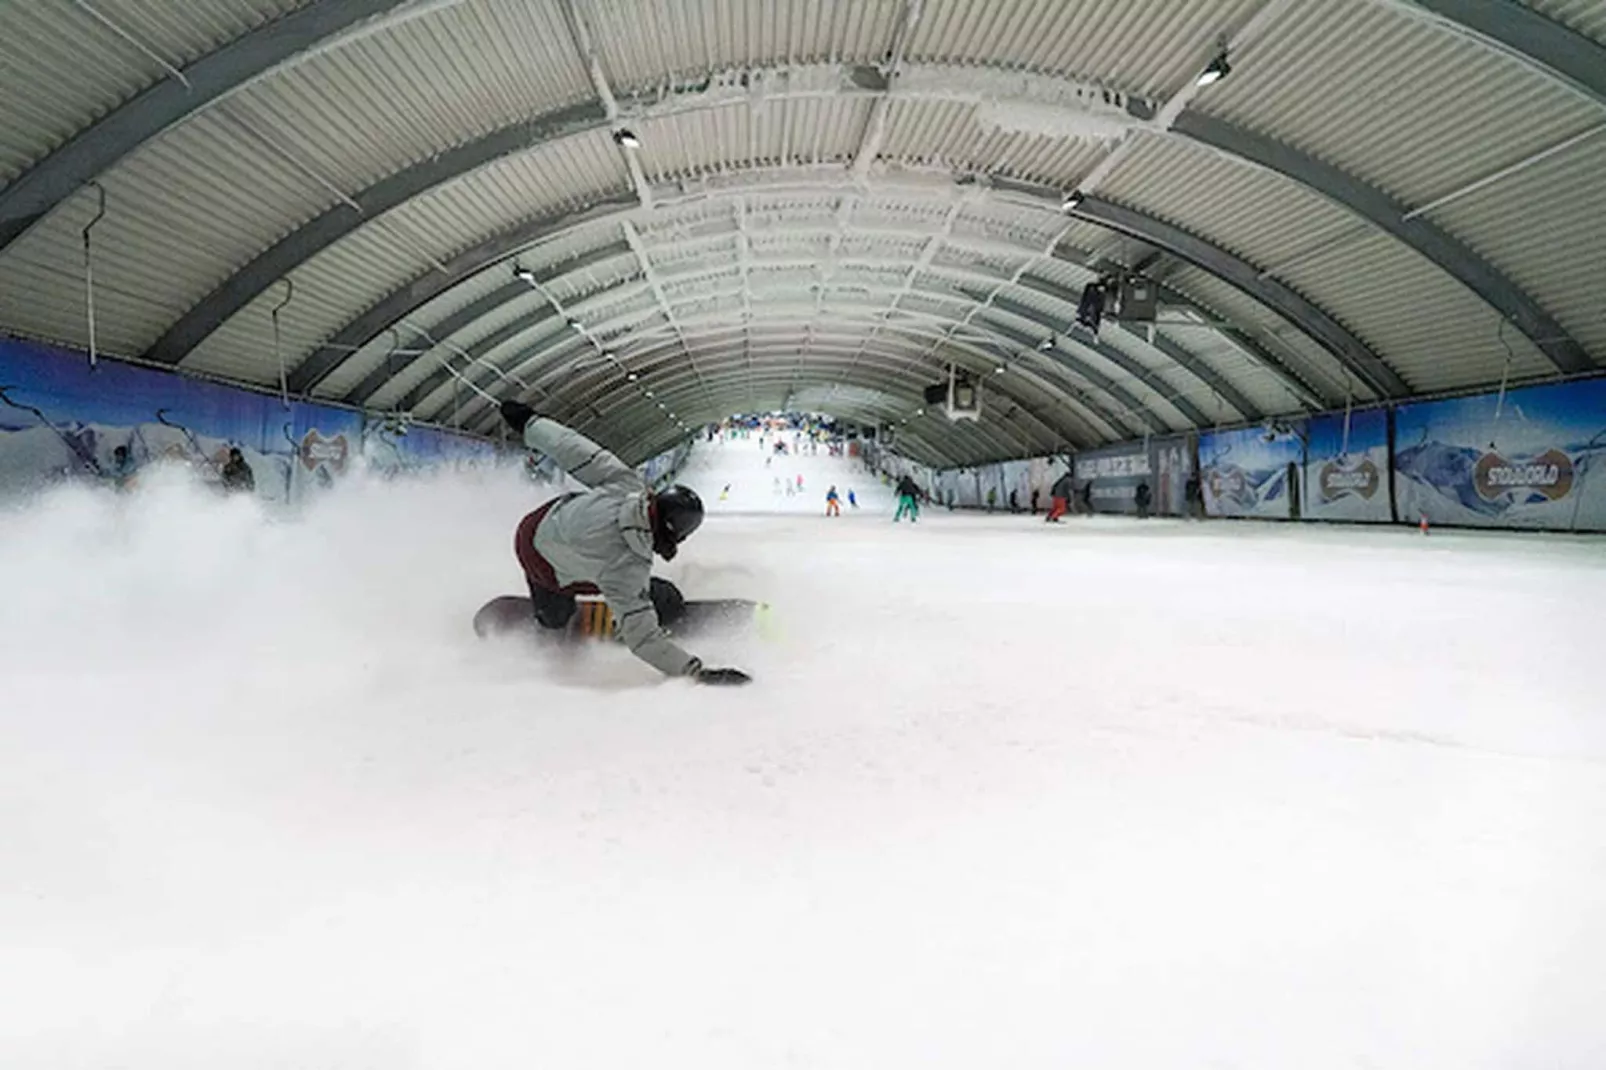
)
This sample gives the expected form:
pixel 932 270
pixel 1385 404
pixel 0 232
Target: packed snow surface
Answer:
pixel 1005 794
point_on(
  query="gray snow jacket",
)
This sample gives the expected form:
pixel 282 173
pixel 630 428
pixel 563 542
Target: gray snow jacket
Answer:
pixel 604 537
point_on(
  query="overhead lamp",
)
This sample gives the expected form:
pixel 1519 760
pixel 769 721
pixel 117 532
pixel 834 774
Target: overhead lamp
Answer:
pixel 631 377
pixel 1044 346
pixel 577 326
pixel 998 370
pixel 626 138
pixel 1218 69
pixel 648 393
pixel 1072 200
pixel 523 274
pixel 920 412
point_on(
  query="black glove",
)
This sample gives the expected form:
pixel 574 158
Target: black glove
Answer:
pixel 517 414
pixel 722 677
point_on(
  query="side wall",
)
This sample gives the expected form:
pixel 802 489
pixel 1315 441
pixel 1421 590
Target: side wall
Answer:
pixel 62 419
pixel 1530 458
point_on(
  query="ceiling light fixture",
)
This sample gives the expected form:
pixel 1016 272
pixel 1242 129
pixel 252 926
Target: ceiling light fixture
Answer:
pixel 523 274
pixel 1072 200
pixel 576 325
pixel 1045 345
pixel 648 393
pixel 626 138
pixel 632 377
pixel 998 370
pixel 1218 69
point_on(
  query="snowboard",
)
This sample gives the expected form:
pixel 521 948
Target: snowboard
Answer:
pixel 512 615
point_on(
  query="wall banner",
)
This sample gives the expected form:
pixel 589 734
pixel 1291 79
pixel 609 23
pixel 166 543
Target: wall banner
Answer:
pixel 1252 471
pixel 1111 476
pixel 1347 470
pixel 1530 460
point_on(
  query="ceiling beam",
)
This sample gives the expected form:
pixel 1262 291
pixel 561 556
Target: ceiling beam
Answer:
pixel 835 366
pixel 1312 321
pixel 1113 355
pixel 341 221
pixel 406 300
pixel 952 436
pixel 1537 40
pixel 1198 369
pixel 557 344
pixel 1384 213
pixel 149 114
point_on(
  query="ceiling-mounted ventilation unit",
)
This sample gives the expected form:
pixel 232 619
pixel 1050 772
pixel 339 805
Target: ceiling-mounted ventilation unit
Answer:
pixel 964 395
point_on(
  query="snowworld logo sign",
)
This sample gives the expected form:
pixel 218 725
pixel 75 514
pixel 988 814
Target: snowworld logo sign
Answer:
pixel 1338 480
pixel 316 450
pixel 1122 466
pixel 1549 474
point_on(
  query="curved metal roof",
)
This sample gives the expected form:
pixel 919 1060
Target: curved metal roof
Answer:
pixel 831 201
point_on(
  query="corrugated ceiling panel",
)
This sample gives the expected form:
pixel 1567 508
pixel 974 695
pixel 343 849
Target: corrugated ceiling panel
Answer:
pixel 1436 333
pixel 181 215
pixel 946 133
pixel 61 69
pixel 1314 364
pixel 399 246
pixel 326 289
pixel 1180 383
pixel 1150 47
pixel 1395 99
pixel 472 289
pixel 368 109
pixel 652 42
pixel 1258 385
pixel 1546 228
pixel 1255 214
pixel 1588 17
pixel 808 130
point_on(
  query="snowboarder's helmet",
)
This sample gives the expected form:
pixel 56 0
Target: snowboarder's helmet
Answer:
pixel 678 512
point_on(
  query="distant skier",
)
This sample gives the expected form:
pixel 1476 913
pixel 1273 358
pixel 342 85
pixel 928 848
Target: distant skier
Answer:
pixel 800 482
pixel 1060 497
pixel 237 475
pixel 1141 498
pixel 853 500
pixel 725 494
pixel 992 498
pixel 833 503
pixel 602 541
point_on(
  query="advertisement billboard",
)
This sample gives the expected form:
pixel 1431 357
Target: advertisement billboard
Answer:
pixel 1529 460
pixel 1110 477
pixel 1347 467
pixel 1252 471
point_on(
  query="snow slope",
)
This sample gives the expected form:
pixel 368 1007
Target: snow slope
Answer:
pixel 1103 794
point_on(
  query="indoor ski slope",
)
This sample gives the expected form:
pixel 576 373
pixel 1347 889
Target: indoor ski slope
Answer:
pixel 1105 794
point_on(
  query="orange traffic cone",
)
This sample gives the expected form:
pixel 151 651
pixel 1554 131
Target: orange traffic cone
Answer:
pixel 1424 524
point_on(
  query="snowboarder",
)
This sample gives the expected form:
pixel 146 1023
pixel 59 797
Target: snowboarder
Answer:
pixel 1141 498
pixel 602 541
pixel 833 503
pixel 237 475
